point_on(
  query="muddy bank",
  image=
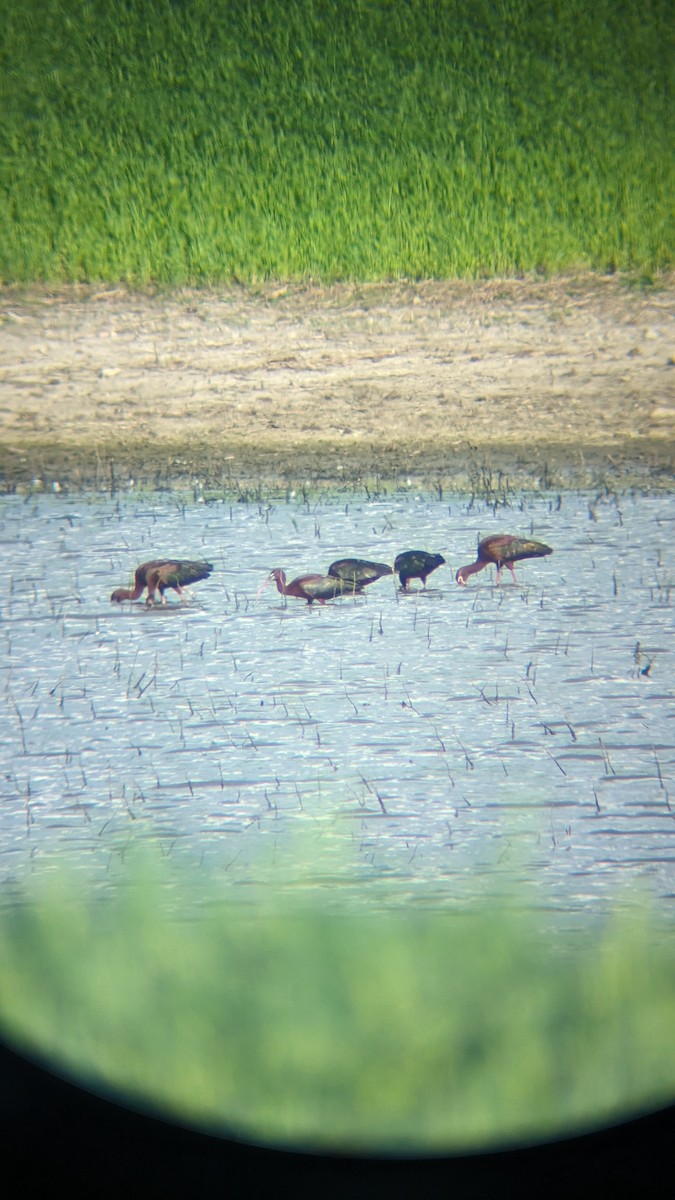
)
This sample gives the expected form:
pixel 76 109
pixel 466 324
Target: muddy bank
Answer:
pixel 445 386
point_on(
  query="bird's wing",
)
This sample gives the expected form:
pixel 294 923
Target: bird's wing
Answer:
pixel 182 572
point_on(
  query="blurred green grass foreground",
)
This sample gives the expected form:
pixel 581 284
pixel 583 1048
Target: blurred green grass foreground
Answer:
pixel 390 1029
pixel 204 141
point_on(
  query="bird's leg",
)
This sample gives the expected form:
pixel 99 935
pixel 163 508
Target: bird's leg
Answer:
pixel 181 593
pixel 512 570
pixel 499 573
pixel 152 583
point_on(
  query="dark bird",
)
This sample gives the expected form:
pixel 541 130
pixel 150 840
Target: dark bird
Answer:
pixel 503 550
pixel 160 574
pixel 358 572
pixel 310 587
pixel 416 564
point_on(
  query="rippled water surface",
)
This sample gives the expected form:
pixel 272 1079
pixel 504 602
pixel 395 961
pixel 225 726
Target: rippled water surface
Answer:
pixel 432 741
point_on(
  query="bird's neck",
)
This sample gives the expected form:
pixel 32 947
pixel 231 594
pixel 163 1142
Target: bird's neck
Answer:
pixel 473 569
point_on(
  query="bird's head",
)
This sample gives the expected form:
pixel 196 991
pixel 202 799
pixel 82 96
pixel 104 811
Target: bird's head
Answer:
pixel 277 574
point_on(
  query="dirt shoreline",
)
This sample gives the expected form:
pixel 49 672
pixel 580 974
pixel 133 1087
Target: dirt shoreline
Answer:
pixel 448 386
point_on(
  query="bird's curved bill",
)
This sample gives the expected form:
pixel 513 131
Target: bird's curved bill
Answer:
pixel 263 585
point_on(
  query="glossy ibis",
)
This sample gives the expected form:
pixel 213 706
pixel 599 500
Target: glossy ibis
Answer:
pixel 310 587
pixel 358 572
pixel 503 550
pixel 416 564
pixel 160 574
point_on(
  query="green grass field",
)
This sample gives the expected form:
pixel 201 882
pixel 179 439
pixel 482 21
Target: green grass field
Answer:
pixel 208 141
pixel 361 1030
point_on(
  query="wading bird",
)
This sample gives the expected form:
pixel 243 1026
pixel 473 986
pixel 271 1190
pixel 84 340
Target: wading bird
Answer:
pixel 503 550
pixel 160 574
pixel 358 572
pixel 310 587
pixel 416 564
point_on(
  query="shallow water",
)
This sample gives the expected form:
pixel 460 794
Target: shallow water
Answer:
pixel 425 748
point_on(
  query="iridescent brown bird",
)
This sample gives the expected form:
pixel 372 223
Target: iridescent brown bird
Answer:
pixel 160 574
pixel 358 572
pixel 310 587
pixel 503 550
pixel 416 564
